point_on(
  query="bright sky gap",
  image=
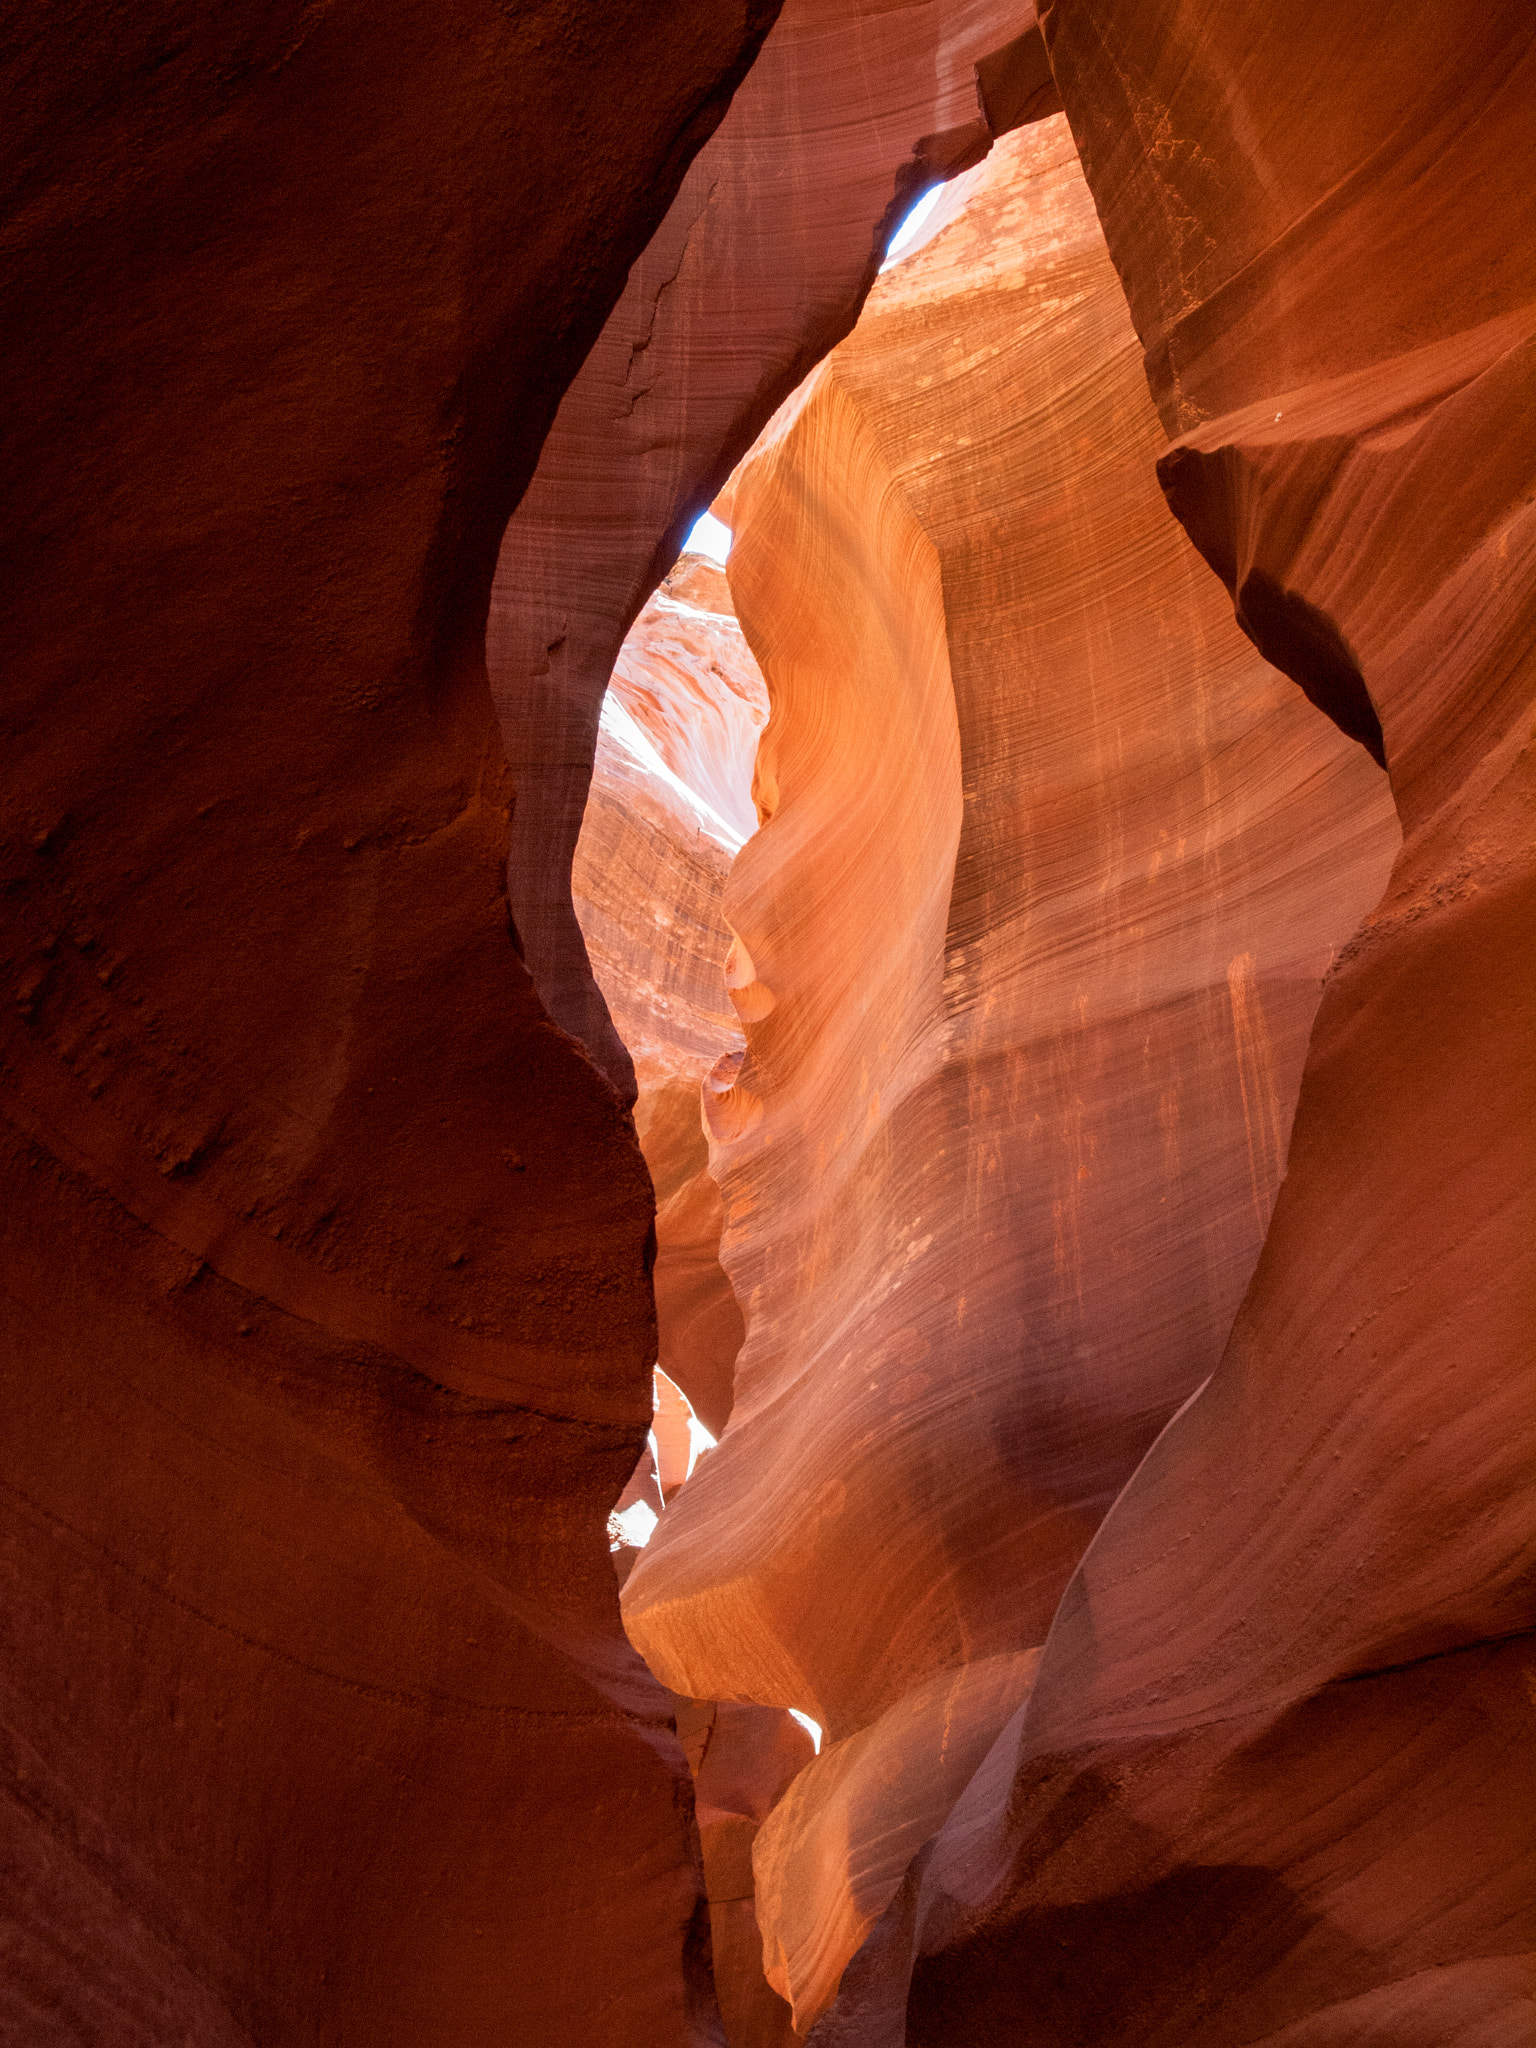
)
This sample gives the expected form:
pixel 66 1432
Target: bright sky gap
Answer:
pixel 910 225
pixel 709 537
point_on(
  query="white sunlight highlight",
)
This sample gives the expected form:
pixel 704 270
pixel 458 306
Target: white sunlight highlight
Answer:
pixel 910 225
pixel 808 1725
pixel 710 536
pixel 621 725
pixel 701 1438
pixel 637 1524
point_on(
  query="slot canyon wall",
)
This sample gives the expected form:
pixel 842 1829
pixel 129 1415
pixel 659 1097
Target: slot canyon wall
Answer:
pixel 1052 868
pixel 1270 1783
pixel 669 806
pixel 358 366
pixel 760 266
pixel 326 1330
pixel 1274 1762
pixel 670 802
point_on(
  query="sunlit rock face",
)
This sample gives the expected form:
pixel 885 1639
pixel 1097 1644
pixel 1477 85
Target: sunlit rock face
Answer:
pixel 1273 1781
pixel 325 1330
pixel 1053 868
pixel 759 267
pixel 670 802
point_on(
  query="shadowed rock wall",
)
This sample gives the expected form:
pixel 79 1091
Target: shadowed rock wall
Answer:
pixel 1052 870
pixel 326 1329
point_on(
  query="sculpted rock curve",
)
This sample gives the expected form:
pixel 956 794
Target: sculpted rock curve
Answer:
pixel 759 267
pixel 1279 1719
pixel 1052 870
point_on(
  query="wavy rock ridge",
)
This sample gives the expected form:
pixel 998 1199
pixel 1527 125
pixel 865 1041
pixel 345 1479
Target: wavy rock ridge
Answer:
pixel 1052 869
pixel 1279 1722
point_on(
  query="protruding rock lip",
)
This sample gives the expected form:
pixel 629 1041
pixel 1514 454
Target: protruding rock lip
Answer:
pixel 1291 633
pixel 730 1111
pixel 1015 84
pixel 753 999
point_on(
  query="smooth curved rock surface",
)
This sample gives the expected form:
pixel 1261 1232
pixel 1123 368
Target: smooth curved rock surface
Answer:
pixel 1275 1758
pixel 830 1856
pixel 760 266
pixel 1053 868
pixel 326 1331
pixel 750 1757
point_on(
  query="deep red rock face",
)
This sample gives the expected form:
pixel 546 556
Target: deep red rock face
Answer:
pixel 1274 1764
pixel 745 1759
pixel 760 266
pixel 327 1333
pixel 1054 865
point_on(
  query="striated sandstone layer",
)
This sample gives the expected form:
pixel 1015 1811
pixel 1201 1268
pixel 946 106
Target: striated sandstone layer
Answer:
pixel 759 267
pixel 325 1332
pixel 835 1849
pixel 1273 1783
pixel 670 802
pixel 1031 942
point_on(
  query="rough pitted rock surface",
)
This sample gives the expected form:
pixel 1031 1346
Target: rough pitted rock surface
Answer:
pixel 326 1333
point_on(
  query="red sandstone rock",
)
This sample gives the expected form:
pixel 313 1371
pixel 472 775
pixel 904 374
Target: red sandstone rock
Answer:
pixel 326 1330
pixel 1272 1784
pixel 1053 867
pixel 671 792
pixel 750 1757
pixel 670 801
pixel 760 266
pixel 687 677
pixel 832 1854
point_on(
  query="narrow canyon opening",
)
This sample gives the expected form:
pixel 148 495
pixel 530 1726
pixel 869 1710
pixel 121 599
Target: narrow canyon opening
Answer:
pixel 961 1066
pixel 962 883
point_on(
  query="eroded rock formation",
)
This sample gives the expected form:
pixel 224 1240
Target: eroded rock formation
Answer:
pixel 669 805
pixel 326 1333
pixel 1274 1758
pixel 1270 1785
pixel 1053 868
pixel 760 266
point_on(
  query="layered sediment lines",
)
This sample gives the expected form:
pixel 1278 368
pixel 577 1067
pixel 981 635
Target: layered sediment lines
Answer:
pixel 671 800
pixel 1053 867
pixel 670 803
pixel 1271 1784
pixel 759 267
